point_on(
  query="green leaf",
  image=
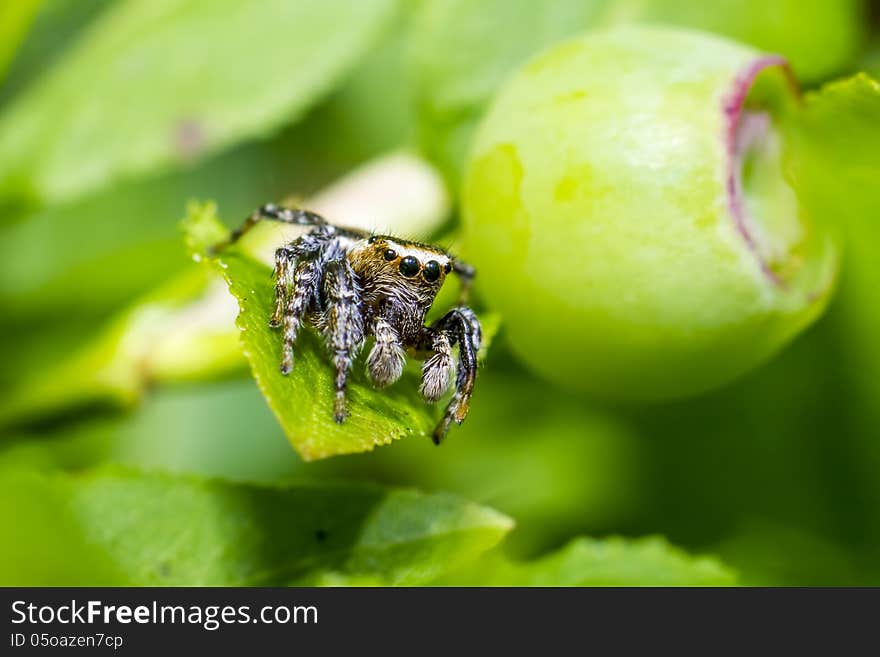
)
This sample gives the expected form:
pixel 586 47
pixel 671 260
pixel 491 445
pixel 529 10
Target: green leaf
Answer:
pixel 607 562
pixel 834 146
pixel 836 168
pixel 116 526
pixel 556 465
pixel 158 83
pixel 55 26
pixel 567 469
pixel 755 549
pixel 15 19
pixel 42 279
pixel 870 63
pixel 366 117
pixel 838 132
pixel 161 337
pixel 303 400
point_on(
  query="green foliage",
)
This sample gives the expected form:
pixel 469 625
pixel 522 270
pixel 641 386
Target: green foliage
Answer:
pixel 566 467
pixel 158 530
pixel 131 228
pixel 838 131
pixel 53 29
pixel 836 167
pixel 155 339
pixel 15 19
pixel 303 400
pixel 135 447
pixel 57 146
pixel 607 562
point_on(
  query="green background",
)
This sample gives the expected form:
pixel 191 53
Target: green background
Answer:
pixel 113 469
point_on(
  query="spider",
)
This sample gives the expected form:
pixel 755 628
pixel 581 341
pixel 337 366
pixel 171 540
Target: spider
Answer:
pixel 351 285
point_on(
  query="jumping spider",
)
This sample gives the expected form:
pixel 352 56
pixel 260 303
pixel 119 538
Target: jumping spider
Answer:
pixel 350 285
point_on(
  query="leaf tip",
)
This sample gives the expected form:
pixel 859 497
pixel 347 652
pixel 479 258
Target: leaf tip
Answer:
pixel 202 228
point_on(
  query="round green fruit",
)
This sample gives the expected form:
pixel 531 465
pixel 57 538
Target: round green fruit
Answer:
pixel 627 208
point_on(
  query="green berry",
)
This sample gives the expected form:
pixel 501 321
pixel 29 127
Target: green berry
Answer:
pixel 626 205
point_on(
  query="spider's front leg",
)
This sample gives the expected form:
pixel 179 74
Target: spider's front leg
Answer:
pixel 460 325
pixel 342 324
pixel 271 212
pixel 387 357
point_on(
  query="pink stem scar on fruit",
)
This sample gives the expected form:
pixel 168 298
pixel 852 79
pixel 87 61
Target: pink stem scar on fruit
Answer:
pixel 744 130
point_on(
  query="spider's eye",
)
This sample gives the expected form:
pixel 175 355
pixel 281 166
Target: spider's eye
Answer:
pixel 431 271
pixel 448 267
pixel 390 254
pixel 409 266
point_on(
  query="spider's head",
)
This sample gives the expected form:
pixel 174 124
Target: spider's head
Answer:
pixel 420 268
pixel 415 264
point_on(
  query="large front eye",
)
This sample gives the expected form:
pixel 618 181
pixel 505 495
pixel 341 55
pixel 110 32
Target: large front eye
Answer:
pixel 409 266
pixel 431 271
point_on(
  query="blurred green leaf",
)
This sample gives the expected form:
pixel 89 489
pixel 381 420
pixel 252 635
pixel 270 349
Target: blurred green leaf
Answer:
pixel 838 131
pixel 55 265
pixel 131 228
pixel 836 169
pixel 606 562
pixel 303 400
pixel 173 333
pixel 55 26
pixel 140 529
pixel 834 154
pixel 15 19
pixel 566 469
pixel 185 429
pixel 161 83
pixel 463 50
pixel 871 61
pixel 762 553
pixel 47 546
pixel 535 453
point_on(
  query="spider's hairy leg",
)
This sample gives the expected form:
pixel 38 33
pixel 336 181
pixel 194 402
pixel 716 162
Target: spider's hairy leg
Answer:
pixel 462 326
pixel 274 213
pixel 343 325
pixel 284 279
pixel 298 273
pixel 466 274
pixel 437 369
pixel 304 288
pixel 386 360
